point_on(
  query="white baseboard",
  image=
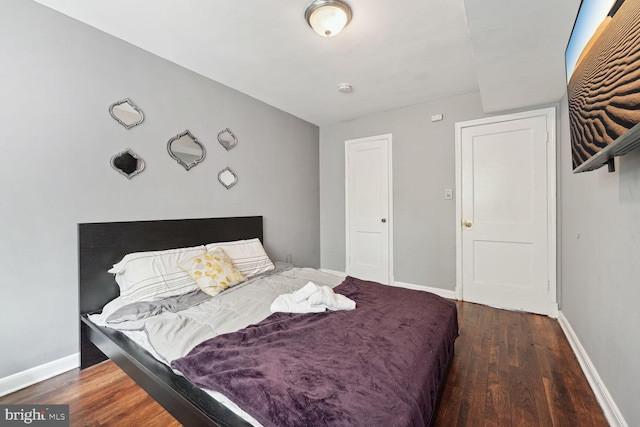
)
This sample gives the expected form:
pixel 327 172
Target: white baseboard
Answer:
pixel 337 273
pixel 554 311
pixel 609 407
pixel 444 293
pixel 34 375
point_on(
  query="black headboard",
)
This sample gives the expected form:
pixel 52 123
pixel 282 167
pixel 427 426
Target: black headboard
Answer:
pixel 100 245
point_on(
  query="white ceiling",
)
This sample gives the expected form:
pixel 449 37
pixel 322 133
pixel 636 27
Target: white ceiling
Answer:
pixel 394 53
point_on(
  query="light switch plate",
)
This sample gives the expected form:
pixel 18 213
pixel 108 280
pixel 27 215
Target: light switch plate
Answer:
pixel 448 193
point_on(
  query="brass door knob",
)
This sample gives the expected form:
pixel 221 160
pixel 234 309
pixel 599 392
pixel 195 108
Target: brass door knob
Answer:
pixel 467 223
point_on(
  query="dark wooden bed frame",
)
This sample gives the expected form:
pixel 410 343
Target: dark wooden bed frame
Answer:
pixel 103 244
pixel 100 246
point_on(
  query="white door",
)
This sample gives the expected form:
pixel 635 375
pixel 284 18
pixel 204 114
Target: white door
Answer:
pixel 368 205
pixel 507 211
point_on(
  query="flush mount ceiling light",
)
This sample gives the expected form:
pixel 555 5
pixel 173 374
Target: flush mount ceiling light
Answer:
pixel 345 88
pixel 328 17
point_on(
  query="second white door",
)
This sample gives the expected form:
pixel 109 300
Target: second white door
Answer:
pixel 368 203
pixel 505 211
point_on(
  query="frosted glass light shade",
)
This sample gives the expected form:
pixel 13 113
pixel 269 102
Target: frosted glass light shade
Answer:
pixel 328 17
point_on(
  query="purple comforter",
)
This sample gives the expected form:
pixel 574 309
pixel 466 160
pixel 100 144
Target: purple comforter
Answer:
pixel 378 365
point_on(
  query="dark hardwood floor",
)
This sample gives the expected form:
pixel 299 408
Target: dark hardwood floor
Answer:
pixel 515 369
pixel 102 395
pixel 510 369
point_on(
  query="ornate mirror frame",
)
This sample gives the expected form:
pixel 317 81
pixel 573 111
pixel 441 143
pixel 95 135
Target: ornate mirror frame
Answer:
pixel 185 149
pixel 227 142
pixel 126 113
pixel 227 178
pixel 127 163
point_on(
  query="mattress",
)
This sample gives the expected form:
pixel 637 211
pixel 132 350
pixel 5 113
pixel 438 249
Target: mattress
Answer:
pixel 170 335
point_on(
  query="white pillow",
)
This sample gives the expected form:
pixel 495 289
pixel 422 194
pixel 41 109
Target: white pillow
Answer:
pixel 149 276
pixel 247 256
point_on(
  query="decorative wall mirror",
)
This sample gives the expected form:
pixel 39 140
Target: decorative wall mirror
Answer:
pixel 127 163
pixel 227 177
pixel 126 113
pixel 227 139
pixel 186 149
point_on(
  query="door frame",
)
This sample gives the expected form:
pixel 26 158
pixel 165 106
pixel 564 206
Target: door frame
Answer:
pixel 347 143
pixel 550 114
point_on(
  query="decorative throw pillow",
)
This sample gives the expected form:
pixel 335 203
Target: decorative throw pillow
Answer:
pixel 213 271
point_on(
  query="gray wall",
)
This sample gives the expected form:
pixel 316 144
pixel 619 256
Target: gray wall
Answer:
pixel 58 78
pixel 600 274
pixel 423 166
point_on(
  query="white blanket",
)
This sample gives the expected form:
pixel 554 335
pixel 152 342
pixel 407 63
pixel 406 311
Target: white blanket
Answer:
pixel 311 298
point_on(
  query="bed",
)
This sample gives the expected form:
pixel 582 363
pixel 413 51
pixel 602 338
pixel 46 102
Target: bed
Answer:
pixel 101 245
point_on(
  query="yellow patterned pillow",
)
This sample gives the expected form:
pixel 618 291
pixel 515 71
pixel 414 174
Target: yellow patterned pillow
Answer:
pixel 213 272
